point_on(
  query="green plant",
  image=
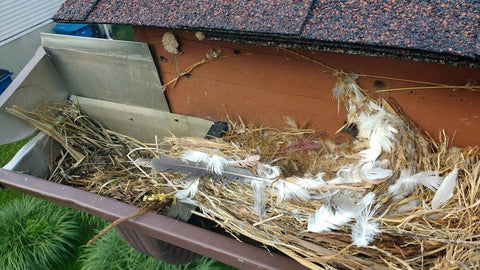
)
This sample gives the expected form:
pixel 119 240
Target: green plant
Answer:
pixel 7 151
pixel 37 234
pixel 111 252
pixel 91 223
pixel 9 196
pixel 123 32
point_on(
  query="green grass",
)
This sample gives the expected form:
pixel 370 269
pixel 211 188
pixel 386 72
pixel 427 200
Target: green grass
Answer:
pixel 7 151
pixel 123 32
pixel 111 252
pixel 37 234
pixel 8 196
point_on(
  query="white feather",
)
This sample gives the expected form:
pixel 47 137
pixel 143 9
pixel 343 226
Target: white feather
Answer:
pixel 384 164
pixel 377 126
pixel 387 135
pixel 216 164
pixel 445 190
pixel 371 154
pixel 195 156
pixel 367 200
pixel 362 171
pixel 348 83
pixel 363 231
pixel 409 205
pixel 346 174
pixel 345 171
pixel 249 161
pixel 344 89
pixel 385 130
pixel 189 192
pixel 267 171
pixel 376 175
pixel 308 183
pixel 143 162
pixel 355 89
pixel 431 180
pixel 259 196
pixel 407 183
pixel 366 124
pixel 351 109
pixel 338 89
pixel 326 220
pixel 287 191
pixel 354 201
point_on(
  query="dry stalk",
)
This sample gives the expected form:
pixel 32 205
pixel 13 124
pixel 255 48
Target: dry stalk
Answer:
pixel 412 238
pixel 140 212
pixel 189 69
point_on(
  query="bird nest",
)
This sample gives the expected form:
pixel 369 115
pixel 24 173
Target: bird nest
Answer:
pixel 391 198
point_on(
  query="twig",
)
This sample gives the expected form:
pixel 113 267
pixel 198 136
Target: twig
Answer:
pixel 134 163
pixel 431 85
pixel 186 72
pixel 404 263
pixel 445 241
pixel 191 68
pixel 334 70
pixel 140 212
pixel 267 220
pixel 456 87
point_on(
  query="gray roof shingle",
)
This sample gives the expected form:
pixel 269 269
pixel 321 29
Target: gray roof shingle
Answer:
pixel 445 31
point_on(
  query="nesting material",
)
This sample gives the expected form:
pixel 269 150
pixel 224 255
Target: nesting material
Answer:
pixel 170 43
pixel 393 198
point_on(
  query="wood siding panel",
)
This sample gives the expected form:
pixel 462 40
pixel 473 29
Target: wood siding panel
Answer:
pixel 263 85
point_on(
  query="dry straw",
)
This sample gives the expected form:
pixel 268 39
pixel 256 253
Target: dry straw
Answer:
pixel 411 235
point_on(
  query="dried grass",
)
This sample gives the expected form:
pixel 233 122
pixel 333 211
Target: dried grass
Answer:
pixel 99 160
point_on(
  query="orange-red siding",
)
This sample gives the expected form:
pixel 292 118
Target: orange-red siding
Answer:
pixel 263 85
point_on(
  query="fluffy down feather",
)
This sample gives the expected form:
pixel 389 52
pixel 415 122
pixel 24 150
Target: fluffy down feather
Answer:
pixel 311 183
pixel 325 219
pixel 354 201
pixel 378 127
pixel 407 183
pixel 216 164
pixel 195 156
pixel 364 231
pixel 267 171
pixel 375 175
pixel 287 191
pixel 189 192
pixel 361 172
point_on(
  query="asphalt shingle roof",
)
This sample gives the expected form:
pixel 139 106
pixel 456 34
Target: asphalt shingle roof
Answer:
pixel 438 31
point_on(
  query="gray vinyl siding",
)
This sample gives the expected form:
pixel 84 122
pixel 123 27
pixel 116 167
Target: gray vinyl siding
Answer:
pixel 18 17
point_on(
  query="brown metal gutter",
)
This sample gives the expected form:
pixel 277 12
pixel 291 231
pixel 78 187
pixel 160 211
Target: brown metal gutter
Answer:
pixel 201 241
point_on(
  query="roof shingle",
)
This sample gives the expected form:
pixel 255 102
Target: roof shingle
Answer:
pixel 440 31
pixel 441 26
